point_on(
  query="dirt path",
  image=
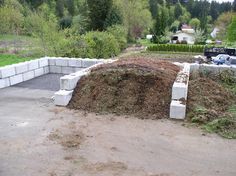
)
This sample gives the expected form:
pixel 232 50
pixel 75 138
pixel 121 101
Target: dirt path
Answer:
pixel 38 139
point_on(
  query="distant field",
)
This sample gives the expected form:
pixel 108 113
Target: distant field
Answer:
pixel 22 46
pixel 7 59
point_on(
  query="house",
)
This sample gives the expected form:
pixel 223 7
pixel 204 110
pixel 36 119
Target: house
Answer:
pixel 185 35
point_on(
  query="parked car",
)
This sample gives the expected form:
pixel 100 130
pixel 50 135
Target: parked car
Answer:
pixel 231 60
pixel 221 59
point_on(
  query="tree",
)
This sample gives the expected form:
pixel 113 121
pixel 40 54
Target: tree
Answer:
pixel 71 7
pixel 161 24
pixel 60 8
pixel 98 12
pixel 195 23
pixel 178 10
pixel 231 32
pixel 114 17
pixel 234 6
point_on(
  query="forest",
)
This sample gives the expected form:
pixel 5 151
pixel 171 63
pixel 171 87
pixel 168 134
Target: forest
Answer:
pixel 103 28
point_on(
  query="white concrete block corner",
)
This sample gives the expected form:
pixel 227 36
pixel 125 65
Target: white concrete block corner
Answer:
pixel 62 97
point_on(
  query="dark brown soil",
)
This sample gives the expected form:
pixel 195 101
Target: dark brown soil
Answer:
pixel 139 87
pixel 208 100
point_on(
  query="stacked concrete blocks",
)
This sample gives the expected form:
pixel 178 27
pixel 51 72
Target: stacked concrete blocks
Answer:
pixel 69 82
pixel 17 73
pixel 179 93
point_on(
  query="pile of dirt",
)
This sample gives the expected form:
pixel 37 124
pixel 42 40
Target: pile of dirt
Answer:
pixel 139 87
pixel 208 100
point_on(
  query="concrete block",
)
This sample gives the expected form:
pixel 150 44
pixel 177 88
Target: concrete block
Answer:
pixel 68 70
pixel 46 70
pixel 32 65
pixel 55 69
pixel 28 75
pixel 52 61
pixel 179 90
pixel 4 83
pixel 21 67
pixel 16 79
pixel 78 69
pixel 7 71
pixel 39 72
pixel 194 67
pixel 62 62
pixel 212 68
pixel 69 82
pixel 177 110
pixel 43 62
pixel 102 61
pixel 74 63
pixel 62 97
pixel 88 62
pixel 223 68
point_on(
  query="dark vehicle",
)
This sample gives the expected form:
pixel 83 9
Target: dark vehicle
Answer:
pixel 215 51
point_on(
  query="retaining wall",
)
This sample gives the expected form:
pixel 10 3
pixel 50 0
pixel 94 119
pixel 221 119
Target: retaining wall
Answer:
pixel 17 73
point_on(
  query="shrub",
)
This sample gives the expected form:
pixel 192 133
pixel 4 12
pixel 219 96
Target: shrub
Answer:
pixel 93 45
pixel 177 48
pixel 66 22
pixel 120 33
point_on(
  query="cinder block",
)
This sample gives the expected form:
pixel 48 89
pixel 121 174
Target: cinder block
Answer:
pixel 177 110
pixel 68 70
pixel 78 69
pixel 212 68
pixel 194 67
pixel 179 90
pixel 74 63
pixel 69 82
pixel 52 61
pixel 16 79
pixel 88 63
pixel 62 62
pixel 4 83
pixel 7 71
pixel 21 68
pixel 28 75
pixel 62 97
pixel 55 69
pixel 32 65
pixel 39 72
pixel 43 62
pixel 46 70
pixel 223 68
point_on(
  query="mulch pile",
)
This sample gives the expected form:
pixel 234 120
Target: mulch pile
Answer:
pixel 141 87
pixel 208 100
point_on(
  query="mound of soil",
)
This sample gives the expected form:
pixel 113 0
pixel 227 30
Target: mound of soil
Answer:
pixel 208 100
pixel 131 86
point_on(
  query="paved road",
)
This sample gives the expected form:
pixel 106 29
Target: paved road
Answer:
pixel 38 139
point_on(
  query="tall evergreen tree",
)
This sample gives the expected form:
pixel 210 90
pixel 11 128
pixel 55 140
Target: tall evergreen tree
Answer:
pixel 71 7
pixel 178 10
pixel 98 12
pixel 60 8
pixel 234 6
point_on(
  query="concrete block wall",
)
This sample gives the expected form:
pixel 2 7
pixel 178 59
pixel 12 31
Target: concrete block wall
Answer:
pixel 69 82
pixel 17 73
pixel 179 93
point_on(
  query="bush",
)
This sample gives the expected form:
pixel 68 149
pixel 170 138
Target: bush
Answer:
pixel 66 22
pixel 120 33
pixel 93 45
pixel 177 48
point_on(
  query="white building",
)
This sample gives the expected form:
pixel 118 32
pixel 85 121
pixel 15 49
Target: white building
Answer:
pixel 181 36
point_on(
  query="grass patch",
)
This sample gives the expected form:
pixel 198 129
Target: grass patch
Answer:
pixel 7 59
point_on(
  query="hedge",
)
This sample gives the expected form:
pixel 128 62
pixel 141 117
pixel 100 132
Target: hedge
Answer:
pixel 177 48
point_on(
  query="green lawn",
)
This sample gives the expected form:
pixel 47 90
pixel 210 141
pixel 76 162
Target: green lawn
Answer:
pixel 7 59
